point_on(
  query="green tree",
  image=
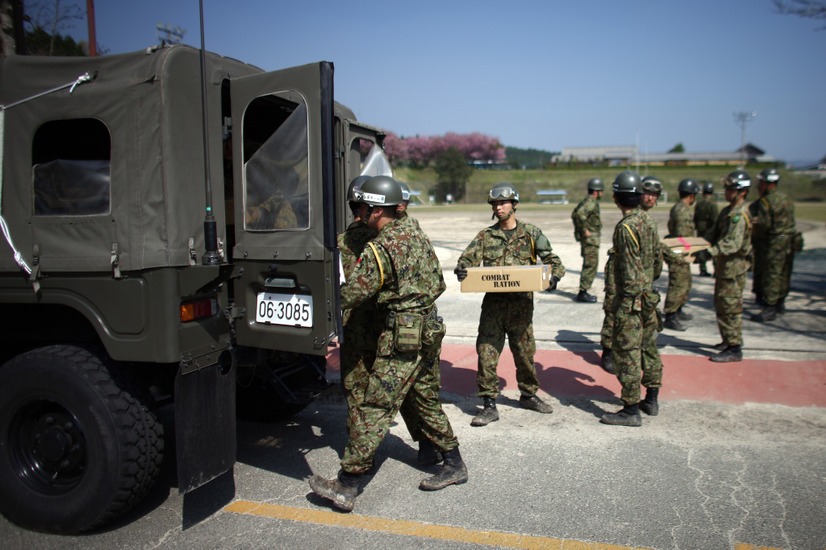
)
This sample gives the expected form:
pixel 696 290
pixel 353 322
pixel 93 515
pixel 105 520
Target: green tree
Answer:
pixel 452 174
pixel 677 149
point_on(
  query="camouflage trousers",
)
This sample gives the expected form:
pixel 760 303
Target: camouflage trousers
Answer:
pixel 637 360
pixel 511 315
pixel 590 262
pixel 411 409
pixel 728 303
pixel 777 272
pixel 759 250
pixel 357 354
pixel 679 285
pixel 607 333
pixel 394 378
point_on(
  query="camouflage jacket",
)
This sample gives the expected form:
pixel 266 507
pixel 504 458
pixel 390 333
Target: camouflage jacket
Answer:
pixel 636 255
pixel 586 218
pixel 524 246
pixel 399 267
pixel 731 240
pixel 680 221
pixel 705 215
pixel 351 243
pixel 773 215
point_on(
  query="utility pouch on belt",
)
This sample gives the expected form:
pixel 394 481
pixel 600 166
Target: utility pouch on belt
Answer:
pixel 433 332
pixel 408 331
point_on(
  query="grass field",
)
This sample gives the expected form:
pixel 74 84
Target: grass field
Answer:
pixel 807 190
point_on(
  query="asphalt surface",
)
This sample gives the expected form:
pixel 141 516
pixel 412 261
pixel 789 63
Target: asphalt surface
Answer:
pixel 728 463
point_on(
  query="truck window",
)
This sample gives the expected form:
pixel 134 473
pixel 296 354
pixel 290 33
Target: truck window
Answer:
pixel 276 164
pixel 71 168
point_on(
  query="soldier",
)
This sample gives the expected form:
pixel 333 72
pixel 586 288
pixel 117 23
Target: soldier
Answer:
pixel 360 327
pixel 508 242
pixel 705 216
pixel 680 224
pixel 730 251
pixel 431 375
pixel 774 221
pixel 637 258
pixel 587 227
pixel 399 268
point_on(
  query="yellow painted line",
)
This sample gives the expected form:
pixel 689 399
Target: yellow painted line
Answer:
pixel 415 528
pixel 744 546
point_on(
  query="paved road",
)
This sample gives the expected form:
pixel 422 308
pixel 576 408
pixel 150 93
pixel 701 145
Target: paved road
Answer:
pixel 726 465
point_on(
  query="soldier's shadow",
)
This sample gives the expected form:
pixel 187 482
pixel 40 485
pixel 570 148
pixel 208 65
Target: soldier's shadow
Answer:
pixel 576 389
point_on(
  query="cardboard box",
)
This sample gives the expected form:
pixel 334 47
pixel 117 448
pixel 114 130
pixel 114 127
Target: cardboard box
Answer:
pixel 522 278
pixel 686 245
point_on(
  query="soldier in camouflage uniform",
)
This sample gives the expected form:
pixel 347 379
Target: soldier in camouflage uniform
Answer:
pixel 637 259
pixel 731 252
pixel 587 228
pixel 360 325
pixel 400 268
pixel 651 190
pixel 507 243
pixel 705 216
pixel 431 375
pixel 680 224
pixel 774 222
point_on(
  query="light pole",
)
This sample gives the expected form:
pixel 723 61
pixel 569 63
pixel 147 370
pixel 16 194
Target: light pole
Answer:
pixel 742 119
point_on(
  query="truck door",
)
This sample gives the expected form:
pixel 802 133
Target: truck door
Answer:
pixel 284 205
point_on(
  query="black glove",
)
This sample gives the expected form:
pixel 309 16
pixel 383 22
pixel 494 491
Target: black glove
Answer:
pixel 554 281
pixel 461 273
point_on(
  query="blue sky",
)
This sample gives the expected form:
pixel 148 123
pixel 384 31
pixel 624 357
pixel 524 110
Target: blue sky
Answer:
pixel 542 74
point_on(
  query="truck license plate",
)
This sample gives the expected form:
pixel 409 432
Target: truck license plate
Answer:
pixel 284 309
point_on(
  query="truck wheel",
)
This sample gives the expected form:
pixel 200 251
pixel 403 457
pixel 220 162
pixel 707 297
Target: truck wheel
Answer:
pixel 76 450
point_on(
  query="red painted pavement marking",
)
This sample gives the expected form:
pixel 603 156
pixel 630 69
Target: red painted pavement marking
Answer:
pixel 685 377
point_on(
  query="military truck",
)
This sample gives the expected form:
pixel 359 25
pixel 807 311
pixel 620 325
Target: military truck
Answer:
pixel 169 220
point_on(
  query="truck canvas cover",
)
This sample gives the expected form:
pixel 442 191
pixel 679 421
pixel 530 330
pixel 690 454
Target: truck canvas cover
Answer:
pixel 129 142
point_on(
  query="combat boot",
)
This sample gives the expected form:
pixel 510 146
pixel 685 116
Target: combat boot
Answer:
pixel 341 491
pixel 452 472
pixel 427 453
pixel 607 361
pixel 769 313
pixel 781 306
pixel 703 271
pixel 649 405
pixel 629 415
pixel 583 296
pixel 683 316
pixel 533 403
pixel 671 322
pixel 488 413
pixel 731 354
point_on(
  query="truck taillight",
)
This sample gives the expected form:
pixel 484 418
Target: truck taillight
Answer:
pixel 199 309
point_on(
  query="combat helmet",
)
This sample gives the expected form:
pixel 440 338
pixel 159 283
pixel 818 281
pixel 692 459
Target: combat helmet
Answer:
pixel 708 188
pixel 650 184
pixel 689 187
pixel 770 175
pixel 627 182
pixel 503 192
pixel 380 191
pixel 405 192
pixel 739 179
pixel 595 184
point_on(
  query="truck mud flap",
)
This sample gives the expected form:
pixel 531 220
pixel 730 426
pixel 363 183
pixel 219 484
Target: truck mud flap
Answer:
pixel 205 431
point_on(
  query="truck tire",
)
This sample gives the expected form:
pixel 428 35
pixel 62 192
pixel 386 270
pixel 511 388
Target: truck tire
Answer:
pixel 76 450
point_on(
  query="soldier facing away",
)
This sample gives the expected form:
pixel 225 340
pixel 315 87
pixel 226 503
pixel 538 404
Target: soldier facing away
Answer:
pixel 508 242
pixel 587 228
pixel 637 259
pixel 680 224
pixel 400 268
pixel 705 216
pixel 774 223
